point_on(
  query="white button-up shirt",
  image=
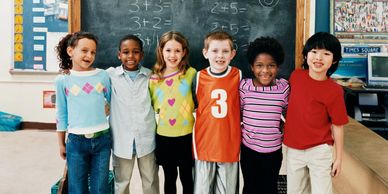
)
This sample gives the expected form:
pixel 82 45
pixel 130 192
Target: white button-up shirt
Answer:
pixel 132 117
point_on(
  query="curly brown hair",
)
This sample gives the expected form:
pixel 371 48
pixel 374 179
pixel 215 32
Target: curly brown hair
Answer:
pixel 70 40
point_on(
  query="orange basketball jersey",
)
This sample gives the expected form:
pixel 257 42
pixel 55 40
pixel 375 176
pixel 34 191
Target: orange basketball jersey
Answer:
pixel 217 134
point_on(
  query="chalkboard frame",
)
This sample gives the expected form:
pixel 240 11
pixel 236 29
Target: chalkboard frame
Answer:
pixel 302 24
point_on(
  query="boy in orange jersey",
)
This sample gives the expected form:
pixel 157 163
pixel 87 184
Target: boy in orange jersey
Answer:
pixel 217 134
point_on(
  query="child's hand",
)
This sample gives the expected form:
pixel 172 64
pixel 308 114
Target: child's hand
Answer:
pixel 336 168
pixel 62 151
pixel 62 144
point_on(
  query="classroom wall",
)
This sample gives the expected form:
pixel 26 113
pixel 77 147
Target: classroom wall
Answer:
pixel 322 16
pixel 21 94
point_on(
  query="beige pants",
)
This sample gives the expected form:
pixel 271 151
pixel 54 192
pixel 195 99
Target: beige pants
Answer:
pixel 308 171
pixel 148 169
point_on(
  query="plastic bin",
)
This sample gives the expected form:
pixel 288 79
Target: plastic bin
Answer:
pixel 54 188
pixel 9 122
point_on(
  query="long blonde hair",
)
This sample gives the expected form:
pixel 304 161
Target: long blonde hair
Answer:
pixel 160 64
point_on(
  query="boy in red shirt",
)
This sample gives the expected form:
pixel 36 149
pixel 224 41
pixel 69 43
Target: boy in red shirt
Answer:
pixel 315 118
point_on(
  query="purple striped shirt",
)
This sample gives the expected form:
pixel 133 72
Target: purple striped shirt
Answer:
pixel 261 109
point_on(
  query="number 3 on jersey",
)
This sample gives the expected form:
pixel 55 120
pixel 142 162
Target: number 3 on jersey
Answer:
pixel 221 109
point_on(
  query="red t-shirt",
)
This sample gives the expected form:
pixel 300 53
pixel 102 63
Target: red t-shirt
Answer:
pixel 217 134
pixel 312 108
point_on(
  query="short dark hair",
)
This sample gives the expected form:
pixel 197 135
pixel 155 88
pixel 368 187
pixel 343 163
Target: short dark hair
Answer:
pixel 323 40
pixel 131 37
pixel 266 45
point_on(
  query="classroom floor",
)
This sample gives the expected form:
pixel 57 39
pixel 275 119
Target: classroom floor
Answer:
pixel 30 163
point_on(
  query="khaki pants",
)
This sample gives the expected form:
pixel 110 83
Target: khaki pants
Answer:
pixel 148 169
pixel 308 171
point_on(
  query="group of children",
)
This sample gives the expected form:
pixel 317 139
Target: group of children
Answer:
pixel 151 116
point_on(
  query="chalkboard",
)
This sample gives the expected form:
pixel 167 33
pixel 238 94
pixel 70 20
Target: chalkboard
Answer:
pixel 149 19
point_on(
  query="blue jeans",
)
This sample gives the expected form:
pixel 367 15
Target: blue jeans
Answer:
pixel 88 157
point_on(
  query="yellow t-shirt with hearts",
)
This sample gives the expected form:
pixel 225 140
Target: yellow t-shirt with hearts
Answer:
pixel 173 102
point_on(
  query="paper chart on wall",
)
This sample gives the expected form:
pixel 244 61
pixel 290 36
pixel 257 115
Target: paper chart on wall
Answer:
pixel 39 24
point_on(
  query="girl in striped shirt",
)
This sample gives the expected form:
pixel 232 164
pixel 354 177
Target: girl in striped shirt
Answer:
pixel 263 101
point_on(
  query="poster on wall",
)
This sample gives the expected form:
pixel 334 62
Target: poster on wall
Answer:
pixel 359 20
pixel 38 26
pixel 355 59
pixel 48 99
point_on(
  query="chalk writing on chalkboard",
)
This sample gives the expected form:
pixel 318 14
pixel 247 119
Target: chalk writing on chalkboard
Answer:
pixel 149 19
pixel 270 3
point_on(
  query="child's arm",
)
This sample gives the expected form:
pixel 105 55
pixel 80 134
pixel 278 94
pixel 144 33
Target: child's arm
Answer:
pixel 62 144
pixel 338 135
pixel 194 90
pixel 107 89
pixel 61 115
pixel 107 94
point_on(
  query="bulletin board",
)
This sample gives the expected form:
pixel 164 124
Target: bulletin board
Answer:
pixel 359 21
pixel 362 28
pixel 38 26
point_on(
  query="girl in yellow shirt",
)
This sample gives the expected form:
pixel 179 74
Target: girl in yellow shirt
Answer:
pixel 170 87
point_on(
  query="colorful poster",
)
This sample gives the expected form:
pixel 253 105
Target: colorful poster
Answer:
pixel 355 60
pixel 356 20
pixel 48 99
pixel 35 22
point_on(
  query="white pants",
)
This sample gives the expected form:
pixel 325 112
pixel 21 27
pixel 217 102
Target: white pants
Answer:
pixel 215 177
pixel 308 171
pixel 148 169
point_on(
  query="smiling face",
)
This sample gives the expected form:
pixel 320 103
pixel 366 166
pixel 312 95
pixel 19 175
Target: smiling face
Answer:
pixel 130 54
pixel 83 54
pixel 219 53
pixel 319 61
pixel 264 69
pixel 173 54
